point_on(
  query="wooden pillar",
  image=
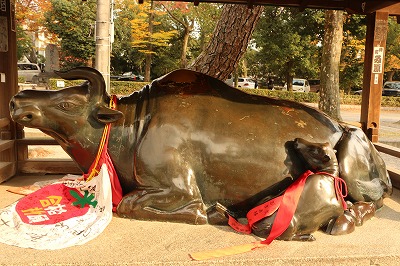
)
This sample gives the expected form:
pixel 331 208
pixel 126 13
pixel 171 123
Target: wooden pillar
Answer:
pixel 8 87
pixel 8 57
pixel 375 47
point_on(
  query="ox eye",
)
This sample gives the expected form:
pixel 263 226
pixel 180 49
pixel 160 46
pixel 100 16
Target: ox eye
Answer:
pixel 66 105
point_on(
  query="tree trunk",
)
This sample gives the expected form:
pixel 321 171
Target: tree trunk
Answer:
pixel 185 42
pixel 390 75
pixel 147 67
pixel 229 42
pixel 188 26
pixel 329 101
pixel 289 75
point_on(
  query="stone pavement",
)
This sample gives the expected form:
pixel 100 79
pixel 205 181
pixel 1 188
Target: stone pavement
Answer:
pixel 131 242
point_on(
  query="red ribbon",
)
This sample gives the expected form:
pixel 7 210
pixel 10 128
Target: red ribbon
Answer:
pixel 286 206
pixel 105 158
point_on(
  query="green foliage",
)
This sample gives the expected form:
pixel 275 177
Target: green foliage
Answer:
pixel 312 97
pixel 123 88
pixel 392 54
pixel 352 57
pixel 194 26
pixel 117 87
pixel 206 16
pixel 127 57
pixel 142 38
pixel 73 22
pixel 288 41
pixel 124 57
pixel 21 79
pixel 126 87
pixel 24 42
pixel 166 60
pixel 286 95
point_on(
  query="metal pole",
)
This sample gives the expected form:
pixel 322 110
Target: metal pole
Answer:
pixel 103 46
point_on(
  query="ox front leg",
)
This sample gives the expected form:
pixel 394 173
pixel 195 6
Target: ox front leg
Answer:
pixel 162 205
pixel 167 182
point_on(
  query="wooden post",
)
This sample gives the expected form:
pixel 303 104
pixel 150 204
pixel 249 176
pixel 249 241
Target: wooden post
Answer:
pixel 8 55
pixel 103 45
pixel 8 87
pixel 375 47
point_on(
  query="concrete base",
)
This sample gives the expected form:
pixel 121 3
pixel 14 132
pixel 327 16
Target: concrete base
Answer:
pixel 131 242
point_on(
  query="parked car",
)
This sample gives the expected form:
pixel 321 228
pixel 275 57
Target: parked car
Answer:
pixel 356 90
pixel 28 71
pixel 242 82
pixel 315 85
pixel 299 85
pixel 128 76
pixel 391 88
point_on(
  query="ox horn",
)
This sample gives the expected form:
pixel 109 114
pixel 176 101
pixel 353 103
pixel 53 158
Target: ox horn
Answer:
pixel 95 78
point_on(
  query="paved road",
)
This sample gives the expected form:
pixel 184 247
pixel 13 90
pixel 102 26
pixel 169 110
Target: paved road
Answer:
pixel 389 121
pixel 389 131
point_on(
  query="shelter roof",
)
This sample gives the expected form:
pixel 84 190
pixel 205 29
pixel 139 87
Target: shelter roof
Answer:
pixel 351 6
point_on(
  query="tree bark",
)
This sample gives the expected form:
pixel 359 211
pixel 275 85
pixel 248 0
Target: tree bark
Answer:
pixel 289 76
pixel 188 26
pixel 329 101
pixel 390 75
pixel 186 35
pixel 229 42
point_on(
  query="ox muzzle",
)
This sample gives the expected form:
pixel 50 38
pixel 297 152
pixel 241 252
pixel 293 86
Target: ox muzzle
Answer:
pixel 25 112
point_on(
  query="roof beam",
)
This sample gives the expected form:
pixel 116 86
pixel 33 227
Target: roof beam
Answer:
pixel 351 6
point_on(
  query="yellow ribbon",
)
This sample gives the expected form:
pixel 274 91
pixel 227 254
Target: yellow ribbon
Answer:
pixel 103 139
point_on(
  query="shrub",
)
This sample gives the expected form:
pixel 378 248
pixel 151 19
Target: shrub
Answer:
pixel 117 87
pixel 128 87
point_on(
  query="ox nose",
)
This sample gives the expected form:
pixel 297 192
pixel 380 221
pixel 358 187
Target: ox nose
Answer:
pixel 23 114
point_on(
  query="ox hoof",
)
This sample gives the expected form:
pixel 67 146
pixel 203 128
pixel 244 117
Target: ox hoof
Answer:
pixel 362 211
pixel 215 217
pixel 344 224
pixel 262 228
pixel 306 237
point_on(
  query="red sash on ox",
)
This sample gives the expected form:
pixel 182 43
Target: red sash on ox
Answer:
pixel 285 205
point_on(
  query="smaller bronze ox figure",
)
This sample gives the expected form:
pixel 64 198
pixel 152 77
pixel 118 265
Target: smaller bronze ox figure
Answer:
pixel 320 206
pixel 188 141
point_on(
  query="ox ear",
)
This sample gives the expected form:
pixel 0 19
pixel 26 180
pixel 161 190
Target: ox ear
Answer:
pixel 106 115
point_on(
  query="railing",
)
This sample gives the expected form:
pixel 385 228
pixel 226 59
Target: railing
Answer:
pixel 7 152
pixel 14 157
pixel 43 165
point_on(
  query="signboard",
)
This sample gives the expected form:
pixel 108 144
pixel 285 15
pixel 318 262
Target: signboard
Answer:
pixel 52 58
pixel 377 63
pixel 3 5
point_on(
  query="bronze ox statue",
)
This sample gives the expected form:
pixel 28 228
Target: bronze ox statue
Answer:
pixel 189 141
